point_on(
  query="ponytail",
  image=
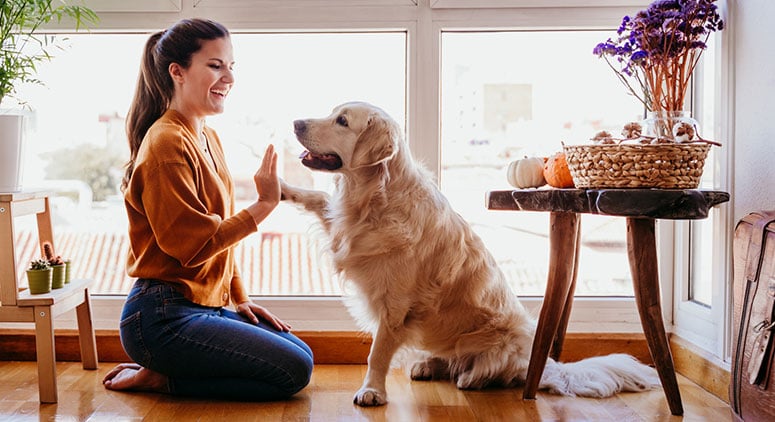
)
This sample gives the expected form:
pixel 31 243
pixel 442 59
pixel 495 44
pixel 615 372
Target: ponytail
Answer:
pixel 149 103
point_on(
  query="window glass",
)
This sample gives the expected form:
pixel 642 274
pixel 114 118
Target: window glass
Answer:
pixel 701 247
pixel 507 95
pixel 76 143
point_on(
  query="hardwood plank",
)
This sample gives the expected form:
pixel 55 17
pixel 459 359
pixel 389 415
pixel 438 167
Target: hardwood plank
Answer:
pixel 696 408
pixel 135 406
pixel 351 347
pixel 329 398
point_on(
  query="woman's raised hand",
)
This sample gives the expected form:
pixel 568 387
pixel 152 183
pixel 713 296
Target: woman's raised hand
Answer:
pixel 266 180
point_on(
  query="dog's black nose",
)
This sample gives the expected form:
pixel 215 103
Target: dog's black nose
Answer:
pixel 299 126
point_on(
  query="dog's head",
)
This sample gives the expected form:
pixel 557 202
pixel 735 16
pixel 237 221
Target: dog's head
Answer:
pixel 355 135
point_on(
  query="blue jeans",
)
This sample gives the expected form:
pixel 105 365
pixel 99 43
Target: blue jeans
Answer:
pixel 210 352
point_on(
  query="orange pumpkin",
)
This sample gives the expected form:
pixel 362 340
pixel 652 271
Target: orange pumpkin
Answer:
pixel 556 171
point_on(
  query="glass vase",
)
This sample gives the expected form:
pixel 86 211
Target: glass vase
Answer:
pixel 671 126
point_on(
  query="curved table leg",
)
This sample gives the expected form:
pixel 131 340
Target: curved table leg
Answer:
pixel 563 232
pixel 642 252
pixel 559 337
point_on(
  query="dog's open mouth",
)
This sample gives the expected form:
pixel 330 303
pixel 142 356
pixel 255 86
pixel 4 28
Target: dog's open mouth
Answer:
pixel 321 161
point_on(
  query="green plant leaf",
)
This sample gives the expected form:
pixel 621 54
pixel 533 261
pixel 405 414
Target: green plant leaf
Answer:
pixel 23 47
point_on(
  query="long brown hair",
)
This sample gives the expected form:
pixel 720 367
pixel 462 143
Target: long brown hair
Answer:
pixel 154 84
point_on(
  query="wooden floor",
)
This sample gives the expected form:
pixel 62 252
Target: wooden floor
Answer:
pixel 329 398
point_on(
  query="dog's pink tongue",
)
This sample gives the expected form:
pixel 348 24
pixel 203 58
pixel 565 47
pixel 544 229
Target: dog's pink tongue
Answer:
pixel 321 161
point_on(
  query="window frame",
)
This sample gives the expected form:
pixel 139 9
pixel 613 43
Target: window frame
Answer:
pixel 710 328
pixel 423 21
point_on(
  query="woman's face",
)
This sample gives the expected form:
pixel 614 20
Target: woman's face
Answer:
pixel 201 89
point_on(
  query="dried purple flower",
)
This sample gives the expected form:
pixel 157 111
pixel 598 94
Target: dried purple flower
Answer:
pixel 658 49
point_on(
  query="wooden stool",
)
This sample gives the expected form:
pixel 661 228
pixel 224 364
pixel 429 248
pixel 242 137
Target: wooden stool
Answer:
pixel 641 207
pixel 20 306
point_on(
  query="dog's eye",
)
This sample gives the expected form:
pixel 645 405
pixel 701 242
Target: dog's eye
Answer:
pixel 341 121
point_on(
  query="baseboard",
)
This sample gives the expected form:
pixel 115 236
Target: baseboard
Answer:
pixel 346 347
pixel 329 347
pixel 701 367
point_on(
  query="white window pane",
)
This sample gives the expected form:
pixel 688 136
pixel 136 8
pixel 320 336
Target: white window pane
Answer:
pixel 506 95
pixel 701 247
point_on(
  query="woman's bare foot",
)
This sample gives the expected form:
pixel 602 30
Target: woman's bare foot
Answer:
pixel 133 377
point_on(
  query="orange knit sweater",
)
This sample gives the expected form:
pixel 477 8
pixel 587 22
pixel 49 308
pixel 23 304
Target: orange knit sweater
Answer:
pixel 182 226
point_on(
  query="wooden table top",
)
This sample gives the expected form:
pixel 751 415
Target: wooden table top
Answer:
pixel 674 204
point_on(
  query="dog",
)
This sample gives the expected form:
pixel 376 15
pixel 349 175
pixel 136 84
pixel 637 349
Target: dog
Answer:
pixel 422 278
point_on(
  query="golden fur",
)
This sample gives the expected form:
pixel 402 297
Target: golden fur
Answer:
pixel 423 278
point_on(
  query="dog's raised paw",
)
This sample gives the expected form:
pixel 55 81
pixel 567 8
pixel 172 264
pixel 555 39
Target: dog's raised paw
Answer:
pixel 287 193
pixel 369 397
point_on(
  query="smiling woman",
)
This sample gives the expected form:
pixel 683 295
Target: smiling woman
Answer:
pixel 188 323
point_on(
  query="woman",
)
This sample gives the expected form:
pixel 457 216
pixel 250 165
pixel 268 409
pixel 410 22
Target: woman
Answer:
pixel 182 230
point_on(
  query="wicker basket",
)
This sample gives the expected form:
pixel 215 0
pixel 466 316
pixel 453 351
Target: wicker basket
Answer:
pixel 666 166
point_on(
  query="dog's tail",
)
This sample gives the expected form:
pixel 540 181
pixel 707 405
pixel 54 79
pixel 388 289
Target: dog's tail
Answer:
pixel 600 376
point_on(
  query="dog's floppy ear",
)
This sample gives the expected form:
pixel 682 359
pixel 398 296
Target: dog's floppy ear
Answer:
pixel 376 143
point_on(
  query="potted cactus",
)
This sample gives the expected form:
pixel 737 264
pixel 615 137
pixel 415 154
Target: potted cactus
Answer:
pixel 57 266
pixel 39 276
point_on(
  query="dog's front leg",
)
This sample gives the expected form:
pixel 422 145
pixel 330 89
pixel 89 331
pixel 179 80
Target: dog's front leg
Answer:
pixel 383 347
pixel 313 201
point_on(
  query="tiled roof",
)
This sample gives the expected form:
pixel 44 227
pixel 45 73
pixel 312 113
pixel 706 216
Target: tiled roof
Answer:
pixel 270 263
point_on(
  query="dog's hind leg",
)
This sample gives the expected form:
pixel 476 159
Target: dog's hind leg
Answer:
pixel 492 367
pixel 383 347
pixel 432 368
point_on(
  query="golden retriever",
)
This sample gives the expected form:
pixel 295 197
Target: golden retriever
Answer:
pixel 422 277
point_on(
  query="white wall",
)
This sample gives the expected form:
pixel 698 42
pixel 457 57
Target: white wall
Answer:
pixel 753 184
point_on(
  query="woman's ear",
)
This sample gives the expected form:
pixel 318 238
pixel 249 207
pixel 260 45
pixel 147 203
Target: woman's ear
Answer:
pixel 176 72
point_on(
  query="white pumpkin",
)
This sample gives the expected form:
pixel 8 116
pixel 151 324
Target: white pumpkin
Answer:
pixel 526 173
